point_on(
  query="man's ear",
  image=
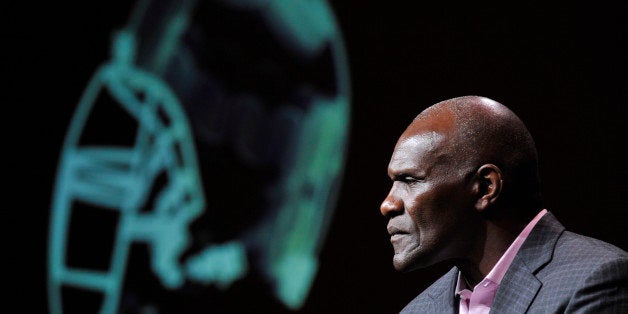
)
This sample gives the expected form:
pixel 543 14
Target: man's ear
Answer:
pixel 488 186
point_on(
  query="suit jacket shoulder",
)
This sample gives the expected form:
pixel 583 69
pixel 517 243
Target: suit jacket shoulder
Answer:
pixel 557 271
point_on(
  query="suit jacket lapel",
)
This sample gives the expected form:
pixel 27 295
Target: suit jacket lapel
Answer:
pixel 443 297
pixel 520 285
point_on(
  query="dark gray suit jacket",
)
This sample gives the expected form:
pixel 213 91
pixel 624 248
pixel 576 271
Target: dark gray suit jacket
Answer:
pixel 555 271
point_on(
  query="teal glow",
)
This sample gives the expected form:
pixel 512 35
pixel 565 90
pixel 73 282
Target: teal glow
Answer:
pixel 301 223
pixel 305 25
pixel 221 264
pixel 120 179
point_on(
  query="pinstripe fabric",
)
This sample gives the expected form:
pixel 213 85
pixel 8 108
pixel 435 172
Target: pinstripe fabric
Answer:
pixel 555 271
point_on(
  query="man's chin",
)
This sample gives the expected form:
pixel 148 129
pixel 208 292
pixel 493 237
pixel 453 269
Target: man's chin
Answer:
pixel 407 262
pixel 403 264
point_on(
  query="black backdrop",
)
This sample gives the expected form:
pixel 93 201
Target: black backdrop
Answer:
pixel 560 66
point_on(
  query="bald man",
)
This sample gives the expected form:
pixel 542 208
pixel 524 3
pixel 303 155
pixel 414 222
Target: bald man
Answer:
pixel 466 191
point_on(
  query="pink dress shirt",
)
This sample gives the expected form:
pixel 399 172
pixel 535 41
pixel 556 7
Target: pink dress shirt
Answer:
pixel 480 299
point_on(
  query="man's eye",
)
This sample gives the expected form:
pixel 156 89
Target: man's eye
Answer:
pixel 410 179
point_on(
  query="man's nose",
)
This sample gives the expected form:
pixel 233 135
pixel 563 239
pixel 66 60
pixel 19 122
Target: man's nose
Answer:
pixel 391 205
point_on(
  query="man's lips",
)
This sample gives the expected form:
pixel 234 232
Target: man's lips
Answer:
pixel 392 230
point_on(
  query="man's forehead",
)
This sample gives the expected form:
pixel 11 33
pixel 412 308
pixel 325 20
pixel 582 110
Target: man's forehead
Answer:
pixel 428 140
pixel 436 119
pixel 411 148
pixel 423 139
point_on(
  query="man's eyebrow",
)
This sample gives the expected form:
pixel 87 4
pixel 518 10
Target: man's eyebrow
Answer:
pixel 393 175
pixel 402 173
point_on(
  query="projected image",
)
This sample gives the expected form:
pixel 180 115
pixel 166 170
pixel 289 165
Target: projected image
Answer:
pixel 203 161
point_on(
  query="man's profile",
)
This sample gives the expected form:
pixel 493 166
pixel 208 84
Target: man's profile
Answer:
pixel 466 191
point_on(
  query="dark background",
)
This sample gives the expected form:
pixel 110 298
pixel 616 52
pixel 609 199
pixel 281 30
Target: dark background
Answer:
pixel 560 66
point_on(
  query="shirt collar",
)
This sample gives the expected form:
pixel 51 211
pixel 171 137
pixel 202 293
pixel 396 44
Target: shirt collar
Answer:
pixel 499 270
pixel 461 284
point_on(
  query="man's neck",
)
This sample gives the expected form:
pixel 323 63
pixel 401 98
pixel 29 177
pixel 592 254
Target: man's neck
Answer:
pixel 484 255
